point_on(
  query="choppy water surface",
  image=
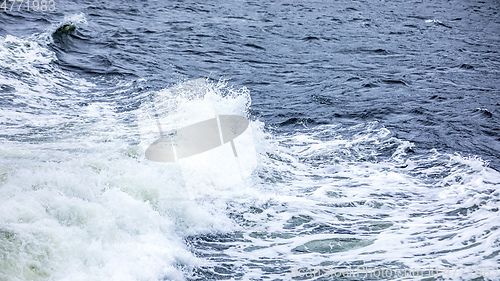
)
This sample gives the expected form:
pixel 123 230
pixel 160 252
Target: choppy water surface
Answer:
pixel 374 140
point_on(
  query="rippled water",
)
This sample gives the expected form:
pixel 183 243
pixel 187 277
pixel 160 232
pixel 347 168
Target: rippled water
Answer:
pixel 374 140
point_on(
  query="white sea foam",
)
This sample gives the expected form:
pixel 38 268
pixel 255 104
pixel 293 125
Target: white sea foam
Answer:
pixel 38 88
pixel 89 206
pixel 341 202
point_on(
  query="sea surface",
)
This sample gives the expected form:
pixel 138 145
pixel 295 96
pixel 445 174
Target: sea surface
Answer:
pixel 373 145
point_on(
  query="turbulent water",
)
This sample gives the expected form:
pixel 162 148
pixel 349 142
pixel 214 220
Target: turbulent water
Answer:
pixel 373 145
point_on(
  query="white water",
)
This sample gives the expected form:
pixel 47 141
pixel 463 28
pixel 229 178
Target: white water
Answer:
pixel 78 200
pixel 433 210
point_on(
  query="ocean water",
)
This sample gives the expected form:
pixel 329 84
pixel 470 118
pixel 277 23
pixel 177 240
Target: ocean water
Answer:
pixel 373 146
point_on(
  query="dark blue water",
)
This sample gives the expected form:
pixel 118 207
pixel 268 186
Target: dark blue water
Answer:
pixel 419 79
